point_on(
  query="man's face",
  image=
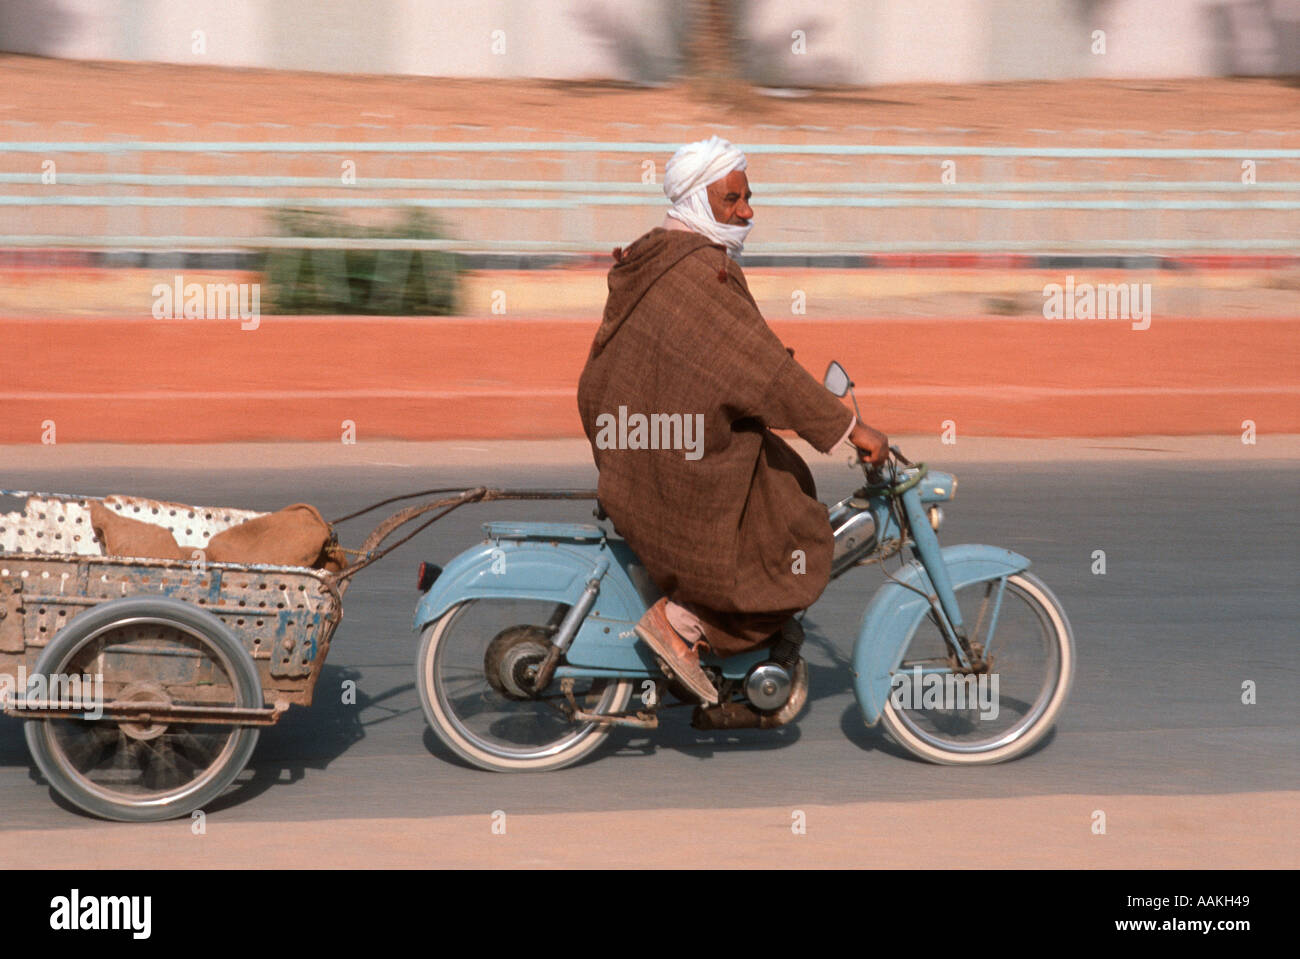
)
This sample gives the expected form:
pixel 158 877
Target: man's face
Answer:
pixel 729 199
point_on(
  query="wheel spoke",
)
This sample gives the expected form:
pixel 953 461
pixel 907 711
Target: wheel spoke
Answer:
pixel 475 683
pixel 145 769
pixel 968 715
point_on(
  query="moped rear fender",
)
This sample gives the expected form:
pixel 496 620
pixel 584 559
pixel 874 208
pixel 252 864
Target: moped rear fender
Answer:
pixel 555 569
pixel 895 611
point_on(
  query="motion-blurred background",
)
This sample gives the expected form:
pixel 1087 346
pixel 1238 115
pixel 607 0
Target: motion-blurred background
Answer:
pixel 923 171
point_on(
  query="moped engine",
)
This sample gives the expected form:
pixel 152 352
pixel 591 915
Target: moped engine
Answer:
pixel 775 690
pixel 768 686
pixel 744 714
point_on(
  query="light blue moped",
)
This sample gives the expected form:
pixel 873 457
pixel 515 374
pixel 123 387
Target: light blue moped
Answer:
pixel 528 657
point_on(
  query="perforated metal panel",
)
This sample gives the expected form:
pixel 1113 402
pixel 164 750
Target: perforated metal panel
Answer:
pixel 52 568
pixel 189 525
pixel 283 616
pixel 63 526
pixel 49 526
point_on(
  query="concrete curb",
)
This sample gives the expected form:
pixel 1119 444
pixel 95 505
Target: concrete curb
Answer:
pixel 490 454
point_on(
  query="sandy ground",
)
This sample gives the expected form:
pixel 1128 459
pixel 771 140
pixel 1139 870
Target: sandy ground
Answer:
pixel 1240 831
pixel 185 101
pixel 577 293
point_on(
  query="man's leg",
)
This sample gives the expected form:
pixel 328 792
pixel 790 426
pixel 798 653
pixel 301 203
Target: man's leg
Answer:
pixel 680 632
pixel 678 651
pixel 785 645
pixel 730 633
pixel 685 622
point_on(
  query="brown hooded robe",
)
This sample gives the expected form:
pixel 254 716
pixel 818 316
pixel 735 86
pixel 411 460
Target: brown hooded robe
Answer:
pixel 733 529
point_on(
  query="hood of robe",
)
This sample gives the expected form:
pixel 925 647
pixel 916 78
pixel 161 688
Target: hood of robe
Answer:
pixel 638 267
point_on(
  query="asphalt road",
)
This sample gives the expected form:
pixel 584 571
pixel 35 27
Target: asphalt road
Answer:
pixel 1200 595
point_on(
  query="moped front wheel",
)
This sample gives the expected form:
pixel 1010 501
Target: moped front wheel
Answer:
pixel 474 672
pixel 944 715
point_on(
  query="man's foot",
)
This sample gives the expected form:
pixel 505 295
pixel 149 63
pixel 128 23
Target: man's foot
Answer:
pixel 678 658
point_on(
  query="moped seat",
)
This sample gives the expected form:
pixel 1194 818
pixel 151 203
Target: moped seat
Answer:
pixel 583 532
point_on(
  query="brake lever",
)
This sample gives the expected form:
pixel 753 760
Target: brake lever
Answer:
pixel 898 455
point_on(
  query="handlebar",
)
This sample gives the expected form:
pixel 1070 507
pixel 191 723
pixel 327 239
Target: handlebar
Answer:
pixel 901 488
pixel 886 476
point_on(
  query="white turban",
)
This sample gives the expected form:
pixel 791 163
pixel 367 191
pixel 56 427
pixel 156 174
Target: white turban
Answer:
pixel 686 178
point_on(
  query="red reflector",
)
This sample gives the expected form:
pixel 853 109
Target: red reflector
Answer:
pixel 428 573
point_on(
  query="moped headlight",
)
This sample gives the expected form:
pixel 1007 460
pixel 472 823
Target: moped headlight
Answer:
pixel 936 517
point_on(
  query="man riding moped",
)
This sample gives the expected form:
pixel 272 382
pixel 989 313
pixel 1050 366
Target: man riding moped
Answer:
pixel 730 531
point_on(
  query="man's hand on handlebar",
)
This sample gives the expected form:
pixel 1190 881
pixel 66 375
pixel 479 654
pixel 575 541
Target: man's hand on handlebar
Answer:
pixel 872 445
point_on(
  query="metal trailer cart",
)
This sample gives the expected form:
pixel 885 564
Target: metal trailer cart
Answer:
pixel 144 682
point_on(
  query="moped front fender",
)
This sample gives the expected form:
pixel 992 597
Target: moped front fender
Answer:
pixel 895 611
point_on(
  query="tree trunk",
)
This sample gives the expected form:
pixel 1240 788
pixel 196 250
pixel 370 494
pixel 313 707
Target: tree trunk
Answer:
pixel 711 52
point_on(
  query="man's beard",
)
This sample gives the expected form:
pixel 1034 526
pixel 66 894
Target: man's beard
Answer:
pixel 695 212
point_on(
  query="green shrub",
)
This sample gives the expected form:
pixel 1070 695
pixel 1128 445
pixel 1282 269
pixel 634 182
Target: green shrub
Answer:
pixel 386 282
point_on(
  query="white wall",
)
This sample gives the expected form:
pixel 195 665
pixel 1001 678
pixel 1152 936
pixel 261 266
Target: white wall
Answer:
pixel 862 42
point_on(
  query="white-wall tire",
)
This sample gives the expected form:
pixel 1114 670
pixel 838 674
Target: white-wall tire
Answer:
pixel 1019 740
pixel 477 749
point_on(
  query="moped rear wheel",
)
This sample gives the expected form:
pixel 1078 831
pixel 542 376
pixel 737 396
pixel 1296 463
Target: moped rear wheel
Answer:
pixel 943 716
pixel 473 674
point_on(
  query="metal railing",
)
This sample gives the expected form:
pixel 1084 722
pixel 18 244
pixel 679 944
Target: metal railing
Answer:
pixel 810 198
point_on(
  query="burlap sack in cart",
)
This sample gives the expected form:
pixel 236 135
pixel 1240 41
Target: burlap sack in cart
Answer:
pixel 295 536
pixel 123 536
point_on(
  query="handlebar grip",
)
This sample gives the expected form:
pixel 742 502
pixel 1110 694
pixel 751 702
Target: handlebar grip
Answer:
pixel 901 488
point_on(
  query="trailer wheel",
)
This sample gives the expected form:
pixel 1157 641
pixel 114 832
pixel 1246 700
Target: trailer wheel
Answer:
pixel 145 649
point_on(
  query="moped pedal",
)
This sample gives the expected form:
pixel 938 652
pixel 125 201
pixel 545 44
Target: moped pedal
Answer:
pixel 731 715
pixel 680 690
pixel 641 720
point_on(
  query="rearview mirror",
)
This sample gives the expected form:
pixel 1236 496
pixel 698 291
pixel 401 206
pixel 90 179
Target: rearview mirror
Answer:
pixel 836 380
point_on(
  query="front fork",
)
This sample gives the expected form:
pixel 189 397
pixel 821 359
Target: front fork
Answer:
pixel 943 601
